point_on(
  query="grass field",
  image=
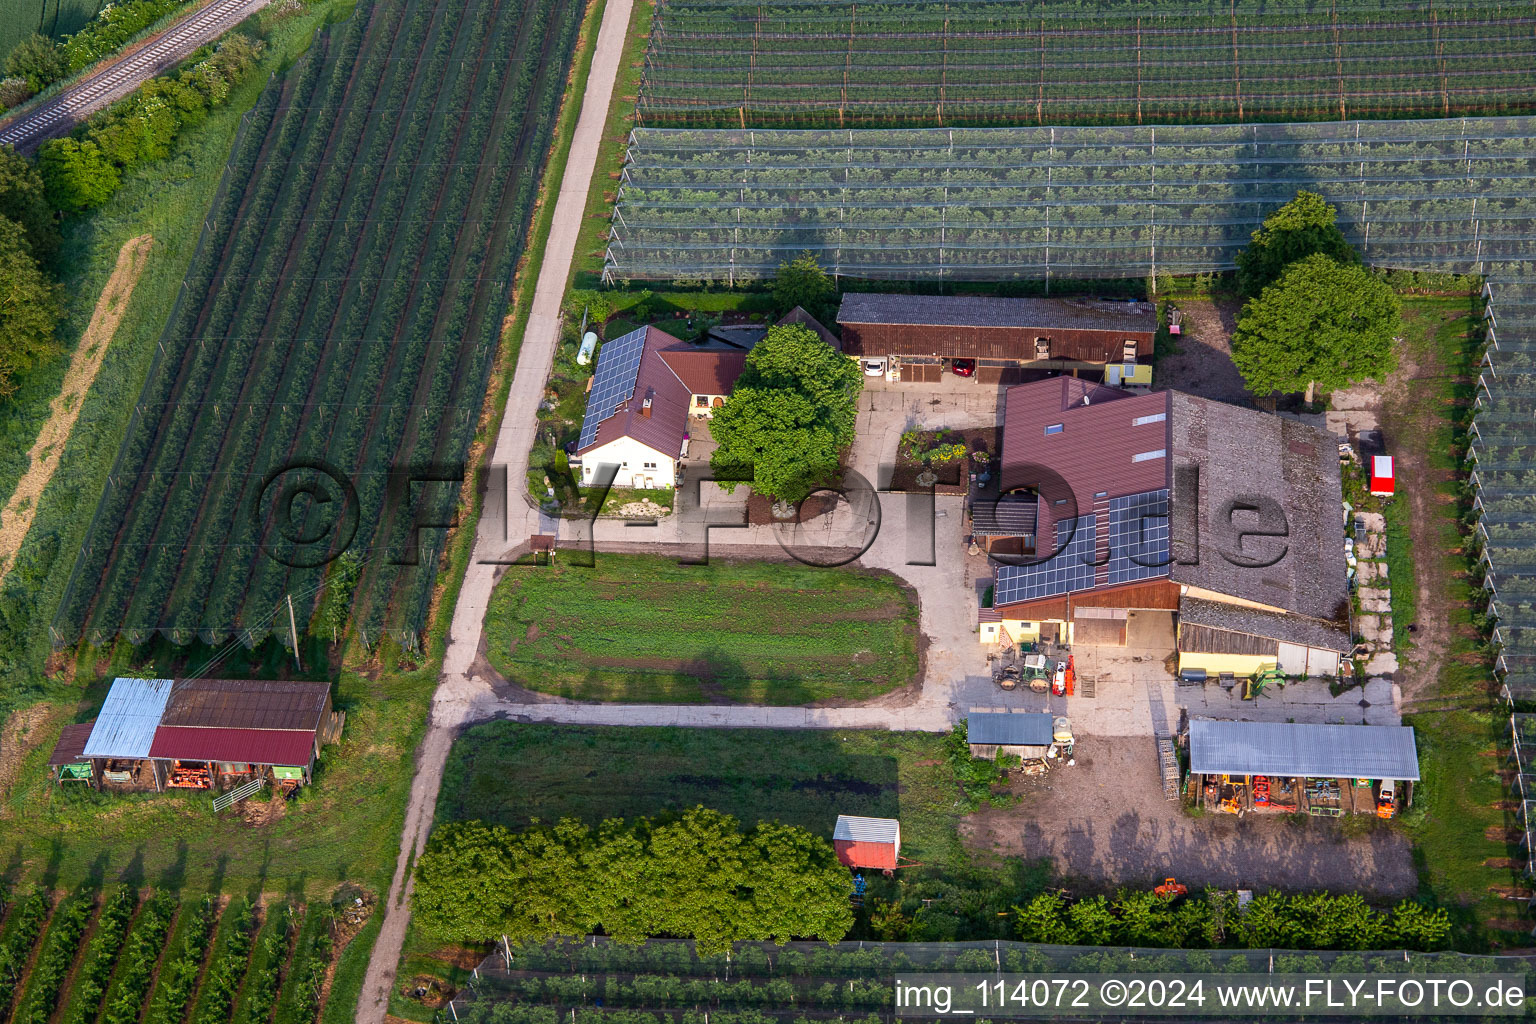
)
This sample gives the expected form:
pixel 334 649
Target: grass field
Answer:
pixel 1458 817
pixel 20 18
pixel 512 774
pixel 167 199
pixel 644 628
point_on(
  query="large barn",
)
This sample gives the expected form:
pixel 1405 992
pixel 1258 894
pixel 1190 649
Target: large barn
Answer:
pixel 1164 502
pixel 1010 339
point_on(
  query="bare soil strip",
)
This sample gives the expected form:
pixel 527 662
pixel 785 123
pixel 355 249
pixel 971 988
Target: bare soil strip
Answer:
pixel 17 517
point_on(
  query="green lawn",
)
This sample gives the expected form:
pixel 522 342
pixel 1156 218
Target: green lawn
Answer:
pixel 643 628
pixel 512 774
pixel 1461 733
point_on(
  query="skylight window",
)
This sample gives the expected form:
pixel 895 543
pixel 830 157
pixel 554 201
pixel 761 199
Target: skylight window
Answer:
pixel 1054 428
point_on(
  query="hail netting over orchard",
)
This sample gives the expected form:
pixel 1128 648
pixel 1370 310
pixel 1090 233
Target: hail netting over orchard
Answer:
pixel 1014 203
pixel 1502 456
pixel 316 389
pixel 848 64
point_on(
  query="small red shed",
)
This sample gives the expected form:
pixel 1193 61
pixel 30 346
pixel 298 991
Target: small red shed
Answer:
pixel 867 842
pixel 1383 480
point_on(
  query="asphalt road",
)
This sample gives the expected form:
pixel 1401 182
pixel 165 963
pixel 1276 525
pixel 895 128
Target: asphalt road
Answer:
pixel 57 115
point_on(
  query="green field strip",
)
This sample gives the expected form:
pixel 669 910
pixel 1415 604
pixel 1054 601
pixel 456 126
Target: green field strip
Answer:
pixel 24 926
pixel 453 403
pixel 227 964
pixel 269 956
pixel 87 993
pixel 185 952
pixel 140 959
pixel 299 1000
pixel 61 948
pixel 977 63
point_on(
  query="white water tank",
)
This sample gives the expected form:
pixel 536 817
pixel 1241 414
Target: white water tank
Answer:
pixel 588 346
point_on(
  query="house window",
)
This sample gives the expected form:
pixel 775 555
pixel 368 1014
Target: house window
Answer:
pixel 650 465
pixel 702 401
pixel 1054 428
pixel 624 465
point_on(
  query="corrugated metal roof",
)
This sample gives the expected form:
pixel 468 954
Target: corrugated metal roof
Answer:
pixel 1013 730
pixel 1289 748
pixel 246 704
pixel 1288 628
pixel 126 725
pixel 257 746
pixel 996 311
pixel 71 745
pixel 853 829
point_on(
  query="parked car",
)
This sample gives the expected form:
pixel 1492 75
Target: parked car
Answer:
pixel 963 367
pixel 874 367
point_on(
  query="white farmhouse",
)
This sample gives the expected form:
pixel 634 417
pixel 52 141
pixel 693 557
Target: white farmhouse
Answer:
pixel 647 385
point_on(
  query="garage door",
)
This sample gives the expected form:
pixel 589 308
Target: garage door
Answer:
pixel 1098 629
pixel 1293 659
pixel 921 373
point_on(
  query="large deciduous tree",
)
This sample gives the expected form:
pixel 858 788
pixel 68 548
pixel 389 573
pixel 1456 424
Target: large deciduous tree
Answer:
pixel 30 306
pixel 1302 227
pixel 77 175
pixel 1322 323
pixel 802 282
pixel 24 201
pixel 38 59
pixel 790 416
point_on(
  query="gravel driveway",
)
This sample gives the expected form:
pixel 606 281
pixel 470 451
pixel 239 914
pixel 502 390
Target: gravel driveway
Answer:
pixel 1106 823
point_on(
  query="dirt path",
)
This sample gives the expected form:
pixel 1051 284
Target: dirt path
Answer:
pixel 1410 425
pixel 1101 825
pixel 455 692
pixel 16 519
pixel 20 734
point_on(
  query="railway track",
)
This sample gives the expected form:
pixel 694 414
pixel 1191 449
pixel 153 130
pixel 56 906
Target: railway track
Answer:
pixel 61 113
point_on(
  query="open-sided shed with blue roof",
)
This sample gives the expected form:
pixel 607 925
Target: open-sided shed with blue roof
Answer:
pixel 1295 766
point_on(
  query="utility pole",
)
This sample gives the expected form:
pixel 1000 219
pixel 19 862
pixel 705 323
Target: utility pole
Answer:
pixel 293 632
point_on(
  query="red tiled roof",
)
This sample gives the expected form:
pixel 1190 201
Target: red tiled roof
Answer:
pixel 705 371
pixel 71 745
pixel 255 746
pixel 664 428
pixel 1095 450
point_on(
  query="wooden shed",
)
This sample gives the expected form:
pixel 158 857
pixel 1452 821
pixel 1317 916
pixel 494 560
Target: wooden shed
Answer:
pixel 1004 335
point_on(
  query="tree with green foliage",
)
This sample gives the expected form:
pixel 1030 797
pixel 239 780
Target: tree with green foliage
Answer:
pixel 1044 919
pixel 37 59
pixel 1415 926
pixel 790 417
pixel 30 307
pixel 24 200
pixel 802 282
pixel 697 877
pixel 463 882
pixel 77 175
pixel 1323 323
pixel 1305 226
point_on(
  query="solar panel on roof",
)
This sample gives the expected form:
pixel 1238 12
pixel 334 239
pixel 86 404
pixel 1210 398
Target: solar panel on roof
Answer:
pixel 1070 569
pixel 1138 536
pixel 618 365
